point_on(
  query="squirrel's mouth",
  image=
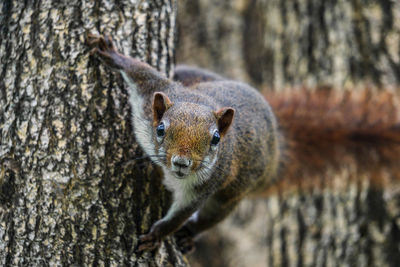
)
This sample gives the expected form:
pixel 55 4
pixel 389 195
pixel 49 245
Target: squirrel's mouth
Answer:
pixel 180 174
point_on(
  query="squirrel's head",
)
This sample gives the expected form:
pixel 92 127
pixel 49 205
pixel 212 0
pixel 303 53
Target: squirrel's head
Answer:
pixel 188 135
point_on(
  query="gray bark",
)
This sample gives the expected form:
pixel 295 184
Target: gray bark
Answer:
pixel 70 193
pixel 344 217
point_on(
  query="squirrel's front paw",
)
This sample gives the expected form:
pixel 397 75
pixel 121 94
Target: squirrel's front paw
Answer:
pixel 103 47
pixel 148 242
pixel 152 240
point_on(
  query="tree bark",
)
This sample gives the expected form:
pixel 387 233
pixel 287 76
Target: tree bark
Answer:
pixel 276 44
pixel 71 191
pixel 345 216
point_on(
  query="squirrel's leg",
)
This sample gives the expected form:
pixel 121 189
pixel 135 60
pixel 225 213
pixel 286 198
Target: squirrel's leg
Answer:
pixel 133 71
pixel 215 209
pixel 171 222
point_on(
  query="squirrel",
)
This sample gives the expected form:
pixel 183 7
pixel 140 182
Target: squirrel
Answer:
pixel 218 141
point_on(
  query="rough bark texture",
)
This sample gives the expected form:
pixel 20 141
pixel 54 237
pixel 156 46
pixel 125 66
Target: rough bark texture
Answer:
pixel 70 193
pixel 349 218
pixel 279 44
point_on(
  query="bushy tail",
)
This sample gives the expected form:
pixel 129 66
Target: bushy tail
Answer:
pixel 326 129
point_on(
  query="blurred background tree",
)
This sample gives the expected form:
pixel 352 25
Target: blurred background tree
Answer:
pixel 274 43
pixel 348 217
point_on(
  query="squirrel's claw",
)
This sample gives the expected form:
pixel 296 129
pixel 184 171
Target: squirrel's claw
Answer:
pixel 93 51
pixel 148 242
pixel 92 39
pixel 109 42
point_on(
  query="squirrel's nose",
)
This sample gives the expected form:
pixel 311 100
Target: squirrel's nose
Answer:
pixel 181 162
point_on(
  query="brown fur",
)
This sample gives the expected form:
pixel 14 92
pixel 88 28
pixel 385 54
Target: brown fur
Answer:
pixel 225 118
pixel 187 140
pixel 161 103
pixel 326 129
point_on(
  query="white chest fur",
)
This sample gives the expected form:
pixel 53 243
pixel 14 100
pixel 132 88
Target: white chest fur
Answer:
pixel 182 190
pixel 142 127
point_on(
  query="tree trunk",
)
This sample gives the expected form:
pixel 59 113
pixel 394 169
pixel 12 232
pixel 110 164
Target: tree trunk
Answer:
pixel 275 43
pixel 344 217
pixel 71 192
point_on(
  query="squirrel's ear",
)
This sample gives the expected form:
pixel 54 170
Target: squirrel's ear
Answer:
pixel 224 119
pixel 161 103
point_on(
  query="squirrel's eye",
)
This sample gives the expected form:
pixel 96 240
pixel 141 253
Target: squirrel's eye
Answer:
pixel 215 139
pixel 161 130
